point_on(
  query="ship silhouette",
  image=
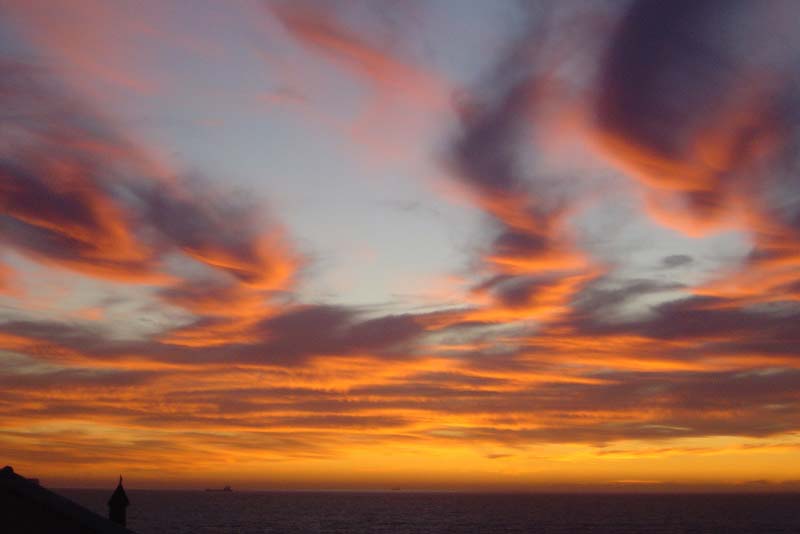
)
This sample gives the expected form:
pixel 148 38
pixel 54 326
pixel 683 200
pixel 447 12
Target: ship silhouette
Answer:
pixel 226 489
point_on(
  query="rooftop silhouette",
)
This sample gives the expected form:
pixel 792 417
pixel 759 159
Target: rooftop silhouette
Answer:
pixel 26 506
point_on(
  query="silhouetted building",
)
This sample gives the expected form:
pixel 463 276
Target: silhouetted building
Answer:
pixel 28 508
pixel 118 504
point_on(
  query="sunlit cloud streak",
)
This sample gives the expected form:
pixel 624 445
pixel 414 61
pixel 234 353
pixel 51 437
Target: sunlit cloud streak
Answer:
pixel 316 28
pixel 6 276
pixel 402 96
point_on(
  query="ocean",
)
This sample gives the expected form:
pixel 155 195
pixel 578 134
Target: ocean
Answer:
pixel 198 512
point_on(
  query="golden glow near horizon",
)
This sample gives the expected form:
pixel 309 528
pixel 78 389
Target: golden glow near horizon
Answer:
pixel 306 252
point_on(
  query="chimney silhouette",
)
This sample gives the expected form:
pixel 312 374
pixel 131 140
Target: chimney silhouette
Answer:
pixel 117 505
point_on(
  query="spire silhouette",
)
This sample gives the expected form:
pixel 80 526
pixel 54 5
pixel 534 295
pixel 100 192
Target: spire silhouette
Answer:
pixel 117 505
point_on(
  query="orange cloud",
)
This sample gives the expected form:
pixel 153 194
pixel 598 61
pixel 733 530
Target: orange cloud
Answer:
pixel 85 37
pixel 6 278
pixel 77 194
pixel 404 99
pixel 317 29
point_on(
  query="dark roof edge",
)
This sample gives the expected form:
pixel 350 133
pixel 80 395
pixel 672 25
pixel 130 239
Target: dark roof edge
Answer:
pixel 10 481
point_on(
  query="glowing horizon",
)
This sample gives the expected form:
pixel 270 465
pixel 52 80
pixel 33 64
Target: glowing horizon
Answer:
pixel 448 245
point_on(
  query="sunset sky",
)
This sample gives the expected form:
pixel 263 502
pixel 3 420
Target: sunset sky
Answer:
pixel 427 244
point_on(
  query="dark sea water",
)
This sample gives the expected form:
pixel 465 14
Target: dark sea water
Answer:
pixel 157 512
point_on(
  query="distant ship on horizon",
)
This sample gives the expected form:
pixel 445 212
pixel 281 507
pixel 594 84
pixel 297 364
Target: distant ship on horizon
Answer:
pixel 225 489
